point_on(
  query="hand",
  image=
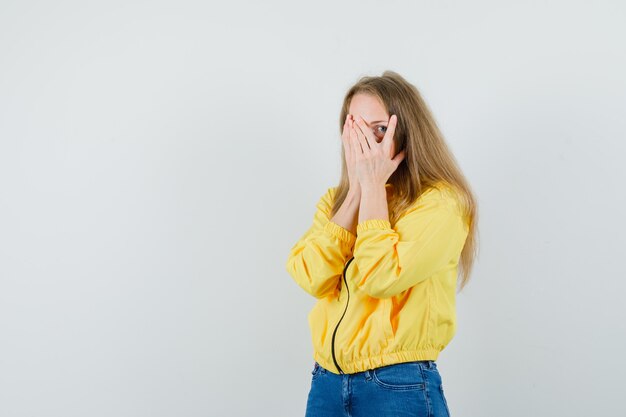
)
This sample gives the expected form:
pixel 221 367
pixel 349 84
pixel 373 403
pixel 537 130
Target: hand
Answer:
pixel 375 162
pixel 350 155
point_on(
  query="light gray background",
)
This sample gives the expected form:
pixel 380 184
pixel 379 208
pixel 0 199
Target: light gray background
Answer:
pixel 159 159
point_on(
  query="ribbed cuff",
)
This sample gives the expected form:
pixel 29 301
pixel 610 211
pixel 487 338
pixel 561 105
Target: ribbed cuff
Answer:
pixel 339 232
pixel 369 224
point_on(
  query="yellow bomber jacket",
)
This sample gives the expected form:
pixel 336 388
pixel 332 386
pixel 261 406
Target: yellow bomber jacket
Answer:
pixel 385 295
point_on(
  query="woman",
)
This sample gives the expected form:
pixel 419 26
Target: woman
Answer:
pixel 382 258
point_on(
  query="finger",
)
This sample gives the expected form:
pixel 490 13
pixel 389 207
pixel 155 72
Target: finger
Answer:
pixel 346 126
pixel 391 129
pixel 365 130
pixel 345 136
pixel 354 139
pixel 357 150
pixel 345 133
pixel 359 136
pixel 392 150
pixel 399 157
pixel 361 139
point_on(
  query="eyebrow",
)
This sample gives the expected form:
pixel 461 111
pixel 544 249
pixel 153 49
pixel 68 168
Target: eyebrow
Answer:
pixel 380 121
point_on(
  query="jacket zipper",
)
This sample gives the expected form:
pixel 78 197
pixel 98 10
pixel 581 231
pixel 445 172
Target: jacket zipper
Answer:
pixel 344 313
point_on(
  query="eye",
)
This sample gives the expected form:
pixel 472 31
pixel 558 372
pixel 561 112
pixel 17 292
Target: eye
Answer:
pixel 384 129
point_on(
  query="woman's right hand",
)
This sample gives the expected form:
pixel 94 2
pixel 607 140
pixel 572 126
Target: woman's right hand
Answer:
pixel 350 155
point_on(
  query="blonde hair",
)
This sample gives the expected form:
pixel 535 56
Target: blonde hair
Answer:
pixel 427 162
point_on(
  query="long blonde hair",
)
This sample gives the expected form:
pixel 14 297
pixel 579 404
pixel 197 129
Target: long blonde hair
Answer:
pixel 427 161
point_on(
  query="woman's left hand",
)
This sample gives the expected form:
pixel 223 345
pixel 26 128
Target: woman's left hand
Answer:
pixel 375 162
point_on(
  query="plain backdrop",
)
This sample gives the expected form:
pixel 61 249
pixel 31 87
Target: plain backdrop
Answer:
pixel 158 160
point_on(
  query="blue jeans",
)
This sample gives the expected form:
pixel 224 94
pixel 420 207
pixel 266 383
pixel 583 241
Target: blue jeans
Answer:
pixel 404 389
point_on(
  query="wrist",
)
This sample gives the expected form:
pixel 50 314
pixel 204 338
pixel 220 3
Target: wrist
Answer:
pixel 372 187
pixel 354 190
pixel 354 196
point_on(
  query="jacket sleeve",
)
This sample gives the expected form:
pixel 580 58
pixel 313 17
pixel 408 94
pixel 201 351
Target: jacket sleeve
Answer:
pixel 426 239
pixel 317 260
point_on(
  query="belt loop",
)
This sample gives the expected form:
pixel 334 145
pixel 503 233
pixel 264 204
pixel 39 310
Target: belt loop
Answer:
pixel 368 375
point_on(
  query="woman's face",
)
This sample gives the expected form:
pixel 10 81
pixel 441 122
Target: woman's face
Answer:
pixel 373 113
